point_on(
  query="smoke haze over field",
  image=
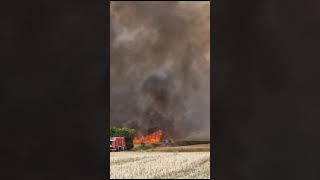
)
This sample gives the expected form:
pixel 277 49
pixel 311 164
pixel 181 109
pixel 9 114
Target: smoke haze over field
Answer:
pixel 160 69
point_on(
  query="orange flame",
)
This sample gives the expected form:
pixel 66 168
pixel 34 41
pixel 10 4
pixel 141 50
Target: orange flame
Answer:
pixel 154 137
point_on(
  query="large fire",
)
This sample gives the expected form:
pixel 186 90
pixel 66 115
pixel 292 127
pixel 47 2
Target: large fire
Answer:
pixel 154 137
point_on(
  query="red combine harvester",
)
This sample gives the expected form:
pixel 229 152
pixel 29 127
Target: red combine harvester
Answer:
pixel 117 144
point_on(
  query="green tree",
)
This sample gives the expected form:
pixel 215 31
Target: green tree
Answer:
pixel 124 132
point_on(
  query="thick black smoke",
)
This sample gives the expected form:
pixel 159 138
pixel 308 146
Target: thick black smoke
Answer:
pixel 160 72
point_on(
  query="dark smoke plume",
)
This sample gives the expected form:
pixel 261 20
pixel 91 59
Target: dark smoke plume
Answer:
pixel 160 70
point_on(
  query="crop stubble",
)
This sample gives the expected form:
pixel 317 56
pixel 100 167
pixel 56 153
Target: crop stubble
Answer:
pixel 162 165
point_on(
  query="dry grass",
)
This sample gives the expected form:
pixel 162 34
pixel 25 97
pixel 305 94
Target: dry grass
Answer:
pixel 189 148
pixel 160 165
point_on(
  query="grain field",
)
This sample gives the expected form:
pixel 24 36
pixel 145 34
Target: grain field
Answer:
pixel 159 165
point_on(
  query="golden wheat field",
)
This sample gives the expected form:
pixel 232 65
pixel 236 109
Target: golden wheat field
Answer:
pixel 159 165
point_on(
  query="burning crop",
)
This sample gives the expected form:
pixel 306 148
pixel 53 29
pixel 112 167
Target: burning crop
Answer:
pixel 154 137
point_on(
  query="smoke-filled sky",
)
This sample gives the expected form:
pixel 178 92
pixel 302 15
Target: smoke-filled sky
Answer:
pixel 160 69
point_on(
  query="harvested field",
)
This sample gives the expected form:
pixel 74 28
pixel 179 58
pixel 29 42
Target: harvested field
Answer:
pixel 160 165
